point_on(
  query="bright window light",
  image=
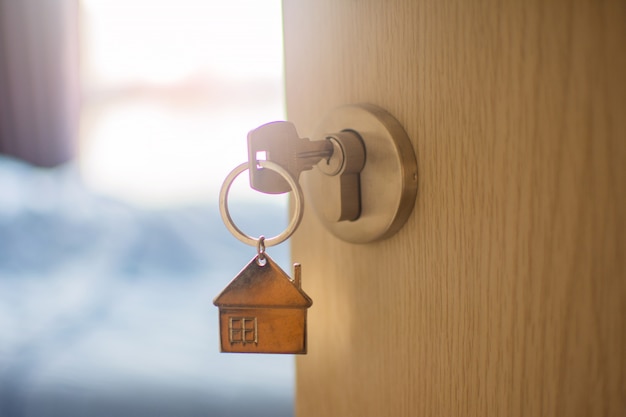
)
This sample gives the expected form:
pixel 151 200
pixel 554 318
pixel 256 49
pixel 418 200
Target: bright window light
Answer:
pixel 171 89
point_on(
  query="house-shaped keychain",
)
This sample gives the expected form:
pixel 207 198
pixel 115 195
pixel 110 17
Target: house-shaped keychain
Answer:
pixel 262 310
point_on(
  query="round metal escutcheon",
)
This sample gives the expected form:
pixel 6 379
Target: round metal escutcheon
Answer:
pixel 388 181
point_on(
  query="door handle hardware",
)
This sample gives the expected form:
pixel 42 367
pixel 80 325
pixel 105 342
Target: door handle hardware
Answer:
pixel 387 180
pixel 361 170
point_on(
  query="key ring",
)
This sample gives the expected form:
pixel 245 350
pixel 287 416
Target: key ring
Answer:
pixel 297 205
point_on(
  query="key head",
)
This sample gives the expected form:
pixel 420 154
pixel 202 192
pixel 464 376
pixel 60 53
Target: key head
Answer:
pixel 274 142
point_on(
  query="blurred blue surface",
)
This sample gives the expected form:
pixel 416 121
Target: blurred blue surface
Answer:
pixel 106 309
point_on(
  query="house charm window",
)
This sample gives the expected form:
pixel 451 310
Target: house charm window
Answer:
pixel 242 330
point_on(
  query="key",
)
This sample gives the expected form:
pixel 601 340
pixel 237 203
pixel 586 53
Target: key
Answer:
pixel 279 142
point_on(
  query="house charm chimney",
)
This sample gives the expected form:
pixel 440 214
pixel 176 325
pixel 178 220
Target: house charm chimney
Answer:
pixel 262 310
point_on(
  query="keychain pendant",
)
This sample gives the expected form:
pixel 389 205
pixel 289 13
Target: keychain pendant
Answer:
pixel 263 310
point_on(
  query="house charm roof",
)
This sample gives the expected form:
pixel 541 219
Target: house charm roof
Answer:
pixel 263 310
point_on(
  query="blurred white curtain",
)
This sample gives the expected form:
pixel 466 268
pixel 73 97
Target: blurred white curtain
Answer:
pixel 39 81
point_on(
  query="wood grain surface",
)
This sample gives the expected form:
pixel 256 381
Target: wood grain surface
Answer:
pixel 505 293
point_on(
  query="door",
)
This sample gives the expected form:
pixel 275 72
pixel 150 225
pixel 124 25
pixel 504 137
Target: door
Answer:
pixel 505 292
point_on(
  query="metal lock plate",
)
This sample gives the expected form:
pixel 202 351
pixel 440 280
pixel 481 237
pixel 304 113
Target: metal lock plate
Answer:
pixel 388 180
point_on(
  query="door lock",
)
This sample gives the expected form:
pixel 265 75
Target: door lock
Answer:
pixel 362 179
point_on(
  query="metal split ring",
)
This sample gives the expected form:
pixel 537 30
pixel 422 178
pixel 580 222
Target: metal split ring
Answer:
pixel 297 205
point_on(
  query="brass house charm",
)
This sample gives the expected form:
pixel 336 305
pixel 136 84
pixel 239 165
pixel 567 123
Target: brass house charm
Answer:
pixel 262 310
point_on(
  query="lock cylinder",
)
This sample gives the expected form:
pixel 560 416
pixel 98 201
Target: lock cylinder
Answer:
pixel 344 165
pixel 365 191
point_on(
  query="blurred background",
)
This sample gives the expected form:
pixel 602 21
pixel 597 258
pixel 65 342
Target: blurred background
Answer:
pixel 119 120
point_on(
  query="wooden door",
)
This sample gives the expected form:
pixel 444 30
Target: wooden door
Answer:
pixel 505 293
